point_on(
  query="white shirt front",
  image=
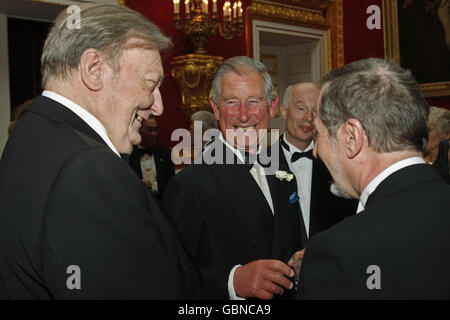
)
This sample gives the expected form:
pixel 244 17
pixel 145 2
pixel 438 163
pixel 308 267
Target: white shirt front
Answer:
pixel 149 173
pixel 87 117
pixel 383 175
pixel 302 169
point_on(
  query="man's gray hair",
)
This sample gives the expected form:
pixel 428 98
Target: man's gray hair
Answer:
pixel 287 96
pixel 207 118
pixel 440 117
pixel 241 65
pixel 107 28
pixel 384 97
pixel 287 92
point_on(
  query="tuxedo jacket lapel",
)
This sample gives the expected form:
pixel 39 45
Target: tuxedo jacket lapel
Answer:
pixel 238 181
pixel 287 215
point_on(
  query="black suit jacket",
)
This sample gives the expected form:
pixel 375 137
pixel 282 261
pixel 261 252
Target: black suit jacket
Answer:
pixel 404 231
pixel 225 220
pixel 68 200
pixel 163 163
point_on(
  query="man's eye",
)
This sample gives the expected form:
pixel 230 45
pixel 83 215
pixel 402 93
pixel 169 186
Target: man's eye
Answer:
pixel 231 102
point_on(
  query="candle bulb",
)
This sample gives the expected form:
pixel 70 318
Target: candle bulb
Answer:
pixel 204 6
pixel 235 10
pixel 214 6
pixel 226 10
pixel 186 4
pixel 239 9
pixel 176 6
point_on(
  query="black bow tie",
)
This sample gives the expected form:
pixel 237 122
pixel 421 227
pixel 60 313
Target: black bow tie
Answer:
pixel 296 155
pixel 142 152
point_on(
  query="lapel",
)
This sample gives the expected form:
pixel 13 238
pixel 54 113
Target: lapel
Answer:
pixel 287 215
pixel 238 181
pixel 51 109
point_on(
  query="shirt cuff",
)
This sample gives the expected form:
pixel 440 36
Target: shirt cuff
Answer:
pixel 231 291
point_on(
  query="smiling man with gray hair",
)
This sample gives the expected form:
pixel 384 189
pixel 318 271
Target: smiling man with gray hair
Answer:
pixel 75 221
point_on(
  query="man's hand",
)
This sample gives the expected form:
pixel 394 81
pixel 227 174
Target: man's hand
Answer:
pixel 147 183
pixel 262 279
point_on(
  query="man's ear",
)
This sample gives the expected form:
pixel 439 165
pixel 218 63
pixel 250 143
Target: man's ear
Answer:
pixel 283 110
pixel 354 137
pixel 216 109
pixel 91 69
pixel 273 105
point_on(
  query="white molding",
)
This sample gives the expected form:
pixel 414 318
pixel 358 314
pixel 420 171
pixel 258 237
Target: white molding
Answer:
pixel 320 52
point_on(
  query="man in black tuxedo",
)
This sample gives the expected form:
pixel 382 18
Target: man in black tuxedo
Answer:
pixel 236 218
pixel 320 209
pixel 151 162
pixel 75 220
pixel 372 128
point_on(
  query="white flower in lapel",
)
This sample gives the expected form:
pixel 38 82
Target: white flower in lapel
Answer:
pixel 283 175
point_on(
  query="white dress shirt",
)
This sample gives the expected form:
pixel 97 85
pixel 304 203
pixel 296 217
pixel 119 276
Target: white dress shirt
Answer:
pixel 383 175
pixel 149 173
pixel 257 173
pixel 92 121
pixel 302 169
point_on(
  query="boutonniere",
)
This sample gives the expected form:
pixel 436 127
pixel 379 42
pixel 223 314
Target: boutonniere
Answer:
pixel 283 175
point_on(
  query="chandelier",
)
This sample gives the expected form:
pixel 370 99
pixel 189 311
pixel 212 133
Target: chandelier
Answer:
pixel 200 21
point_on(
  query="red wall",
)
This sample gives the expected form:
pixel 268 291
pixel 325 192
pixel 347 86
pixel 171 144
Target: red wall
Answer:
pixel 161 13
pixel 359 43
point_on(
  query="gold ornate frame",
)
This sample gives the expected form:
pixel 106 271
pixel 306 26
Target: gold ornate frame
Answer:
pixel 392 48
pixel 317 14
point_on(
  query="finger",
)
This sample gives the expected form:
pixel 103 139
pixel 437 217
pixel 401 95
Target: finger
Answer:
pixel 278 279
pixel 281 267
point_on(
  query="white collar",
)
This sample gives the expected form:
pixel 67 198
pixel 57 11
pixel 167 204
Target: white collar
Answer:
pixel 87 117
pixel 293 148
pixel 373 184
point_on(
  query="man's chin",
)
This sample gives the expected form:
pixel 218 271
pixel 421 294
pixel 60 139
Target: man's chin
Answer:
pixel 339 192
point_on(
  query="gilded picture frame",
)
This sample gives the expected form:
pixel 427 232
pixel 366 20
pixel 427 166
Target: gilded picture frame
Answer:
pixel 392 45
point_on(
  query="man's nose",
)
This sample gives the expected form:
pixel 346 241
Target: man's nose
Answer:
pixel 309 116
pixel 243 113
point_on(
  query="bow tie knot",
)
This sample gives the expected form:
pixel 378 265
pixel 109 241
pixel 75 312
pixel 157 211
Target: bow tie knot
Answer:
pixel 142 152
pixel 296 155
pixel 299 155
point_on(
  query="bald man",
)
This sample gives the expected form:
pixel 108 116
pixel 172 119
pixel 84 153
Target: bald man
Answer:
pixel 320 209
